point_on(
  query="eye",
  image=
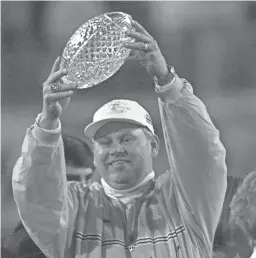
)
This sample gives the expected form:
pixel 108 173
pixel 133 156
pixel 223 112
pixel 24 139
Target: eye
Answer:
pixel 127 138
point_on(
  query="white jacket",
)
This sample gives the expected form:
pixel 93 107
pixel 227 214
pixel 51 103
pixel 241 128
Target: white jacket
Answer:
pixel 177 217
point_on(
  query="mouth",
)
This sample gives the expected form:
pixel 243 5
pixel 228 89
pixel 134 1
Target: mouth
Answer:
pixel 118 162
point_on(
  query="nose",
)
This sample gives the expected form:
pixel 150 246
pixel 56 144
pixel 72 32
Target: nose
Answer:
pixel 116 148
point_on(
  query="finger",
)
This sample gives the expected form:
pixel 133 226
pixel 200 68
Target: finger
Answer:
pixel 135 57
pixel 67 87
pixel 138 46
pixel 56 65
pixel 132 58
pixel 56 76
pixel 133 53
pixel 53 97
pixel 139 28
pixel 62 88
pixel 138 36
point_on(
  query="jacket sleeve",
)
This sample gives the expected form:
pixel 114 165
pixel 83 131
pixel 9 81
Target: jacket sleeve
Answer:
pixel 195 152
pixel 47 205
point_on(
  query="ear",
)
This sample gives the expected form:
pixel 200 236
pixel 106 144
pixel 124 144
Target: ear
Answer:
pixel 93 151
pixel 155 145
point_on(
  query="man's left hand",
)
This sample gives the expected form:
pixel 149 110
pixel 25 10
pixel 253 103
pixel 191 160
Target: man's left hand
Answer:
pixel 146 50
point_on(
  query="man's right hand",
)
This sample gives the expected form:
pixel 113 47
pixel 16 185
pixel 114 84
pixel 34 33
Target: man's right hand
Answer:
pixel 55 102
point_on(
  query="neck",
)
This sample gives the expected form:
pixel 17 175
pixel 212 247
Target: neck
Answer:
pixel 128 193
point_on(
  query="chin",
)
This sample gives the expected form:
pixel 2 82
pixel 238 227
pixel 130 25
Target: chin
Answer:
pixel 121 180
pixel 121 183
pixel 121 175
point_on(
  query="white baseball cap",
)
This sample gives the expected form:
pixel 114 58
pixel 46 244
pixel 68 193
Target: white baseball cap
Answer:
pixel 122 110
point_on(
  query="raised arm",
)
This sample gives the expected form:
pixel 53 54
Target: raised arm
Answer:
pixel 195 152
pixel 196 155
pixel 46 204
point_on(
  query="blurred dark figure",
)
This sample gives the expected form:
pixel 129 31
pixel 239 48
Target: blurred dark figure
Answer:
pixel 5 174
pixel 19 244
pixel 79 162
pixel 221 234
pixel 79 159
pixel 236 238
pixel 243 209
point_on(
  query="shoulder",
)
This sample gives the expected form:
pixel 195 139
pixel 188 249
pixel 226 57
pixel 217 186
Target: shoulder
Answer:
pixel 80 189
pixel 164 178
pixel 165 182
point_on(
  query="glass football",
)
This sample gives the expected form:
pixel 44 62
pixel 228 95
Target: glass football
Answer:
pixel 95 51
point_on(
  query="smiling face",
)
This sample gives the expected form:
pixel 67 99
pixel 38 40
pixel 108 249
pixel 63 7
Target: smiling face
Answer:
pixel 123 154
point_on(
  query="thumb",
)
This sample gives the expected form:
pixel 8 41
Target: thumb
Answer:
pixel 64 102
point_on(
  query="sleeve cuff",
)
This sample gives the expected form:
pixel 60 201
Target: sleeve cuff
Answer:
pixel 171 92
pixel 44 136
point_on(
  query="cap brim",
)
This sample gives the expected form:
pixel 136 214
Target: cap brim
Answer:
pixel 91 129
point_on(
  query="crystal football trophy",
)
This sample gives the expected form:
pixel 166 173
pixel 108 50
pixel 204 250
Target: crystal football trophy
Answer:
pixel 95 51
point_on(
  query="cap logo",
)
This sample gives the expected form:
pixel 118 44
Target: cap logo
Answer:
pixel 148 118
pixel 119 107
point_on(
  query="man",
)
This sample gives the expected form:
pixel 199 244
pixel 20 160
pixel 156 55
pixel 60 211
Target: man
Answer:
pixel 79 167
pixel 130 214
pixel 243 209
pixel 79 159
pixel 240 235
pixel 222 232
pixel 230 240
